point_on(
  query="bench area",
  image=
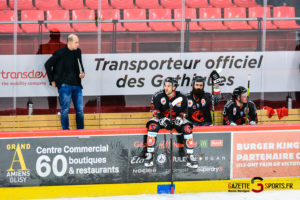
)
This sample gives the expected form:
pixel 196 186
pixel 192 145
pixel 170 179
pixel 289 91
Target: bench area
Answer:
pixel 117 120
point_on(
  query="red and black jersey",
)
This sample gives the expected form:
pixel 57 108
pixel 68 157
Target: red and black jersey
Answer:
pixel 160 105
pixel 236 114
pixel 199 108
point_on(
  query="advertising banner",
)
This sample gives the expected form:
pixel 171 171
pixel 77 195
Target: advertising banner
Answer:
pixel 62 161
pixel 266 154
pixel 212 151
pixel 76 160
pixel 143 74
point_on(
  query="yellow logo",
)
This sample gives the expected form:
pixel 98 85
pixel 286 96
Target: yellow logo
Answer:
pixel 18 158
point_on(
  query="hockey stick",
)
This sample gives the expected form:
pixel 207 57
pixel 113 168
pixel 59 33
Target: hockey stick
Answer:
pixel 219 70
pixel 79 65
pixel 176 101
pixel 248 93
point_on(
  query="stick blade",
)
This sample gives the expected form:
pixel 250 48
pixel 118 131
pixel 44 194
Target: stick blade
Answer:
pixel 219 70
pixel 249 77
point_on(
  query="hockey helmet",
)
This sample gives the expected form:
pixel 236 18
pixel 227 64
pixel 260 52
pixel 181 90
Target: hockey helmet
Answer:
pixel 237 92
pixel 198 79
pixel 171 80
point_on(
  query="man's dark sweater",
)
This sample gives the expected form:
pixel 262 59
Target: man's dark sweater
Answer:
pixel 62 67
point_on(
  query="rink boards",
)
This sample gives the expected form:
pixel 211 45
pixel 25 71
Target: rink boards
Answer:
pixel 57 164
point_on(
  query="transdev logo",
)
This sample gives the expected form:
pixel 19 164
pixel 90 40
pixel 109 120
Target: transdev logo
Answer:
pixel 216 143
pixel 23 75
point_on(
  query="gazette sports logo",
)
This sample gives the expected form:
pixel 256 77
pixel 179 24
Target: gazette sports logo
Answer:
pixel 257 185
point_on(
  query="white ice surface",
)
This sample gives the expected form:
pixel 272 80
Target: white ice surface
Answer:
pixel 266 195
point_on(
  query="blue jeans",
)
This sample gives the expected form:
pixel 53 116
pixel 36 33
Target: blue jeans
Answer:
pixel 66 93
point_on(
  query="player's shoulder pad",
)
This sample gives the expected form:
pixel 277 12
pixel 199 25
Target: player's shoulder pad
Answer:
pixel 189 94
pixel 207 94
pixel 229 104
pixel 158 93
pixel 251 103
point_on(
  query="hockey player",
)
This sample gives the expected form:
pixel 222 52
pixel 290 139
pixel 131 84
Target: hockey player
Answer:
pixel 160 107
pixel 235 110
pixel 199 101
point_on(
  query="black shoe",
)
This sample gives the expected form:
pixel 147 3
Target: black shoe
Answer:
pixel 148 162
pixel 191 161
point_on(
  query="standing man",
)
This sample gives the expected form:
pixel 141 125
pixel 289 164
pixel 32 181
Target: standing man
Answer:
pixel 160 107
pixel 65 71
pixel 239 110
pixel 199 101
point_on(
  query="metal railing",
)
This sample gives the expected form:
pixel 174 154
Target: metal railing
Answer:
pixel 187 29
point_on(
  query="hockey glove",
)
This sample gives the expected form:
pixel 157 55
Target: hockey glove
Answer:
pixel 215 77
pixel 165 122
pixel 178 121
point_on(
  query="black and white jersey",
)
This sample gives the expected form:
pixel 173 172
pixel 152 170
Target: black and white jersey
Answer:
pixel 160 105
pixel 198 111
pixel 233 113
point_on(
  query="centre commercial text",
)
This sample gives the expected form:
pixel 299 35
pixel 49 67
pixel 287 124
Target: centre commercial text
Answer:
pixel 138 66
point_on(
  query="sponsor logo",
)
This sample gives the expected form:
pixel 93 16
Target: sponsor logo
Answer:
pixel 18 171
pixel 137 160
pixel 161 159
pixel 209 169
pixel 166 145
pixel 256 185
pixel 203 143
pixel 144 170
pixel 23 75
pixel 138 144
pixel 216 143
pixel 234 111
pixel 214 158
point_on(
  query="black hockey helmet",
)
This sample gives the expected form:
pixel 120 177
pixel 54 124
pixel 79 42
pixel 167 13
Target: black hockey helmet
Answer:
pixel 171 80
pixel 237 92
pixel 198 79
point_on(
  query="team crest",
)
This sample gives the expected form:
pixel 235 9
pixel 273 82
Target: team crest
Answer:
pixel 163 101
pixel 190 103
pixel 234 111
pixel 203 102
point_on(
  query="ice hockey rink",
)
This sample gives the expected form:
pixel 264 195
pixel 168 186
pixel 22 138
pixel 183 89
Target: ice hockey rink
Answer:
pixel 267 195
